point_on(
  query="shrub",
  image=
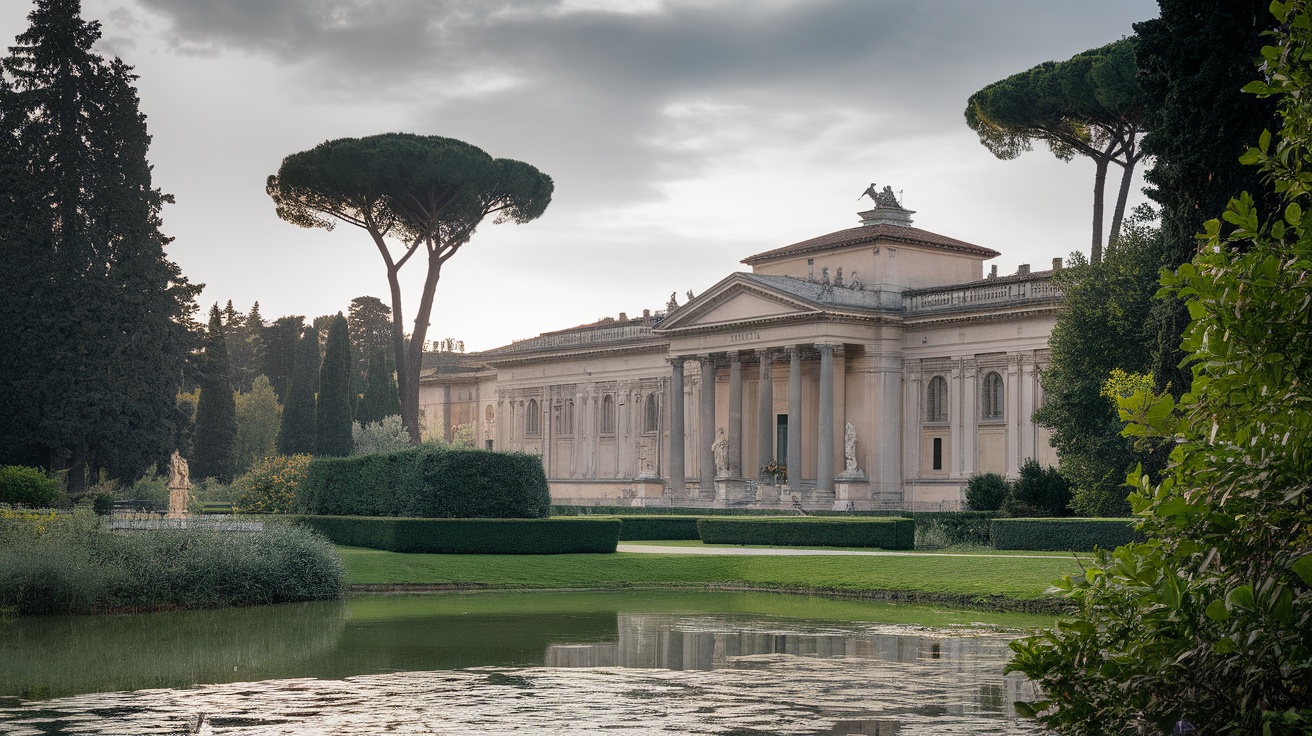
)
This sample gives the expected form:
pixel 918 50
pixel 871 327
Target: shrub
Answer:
pixel 1038 491
pixel 70 563
pixel 937 529
pixel 470 536
pixel 427 482
pixel 270 486
pixel 1076 535
pixel 658 527
pixel 986 492
pixel 887 532
pixel 386 435
pixel 23 486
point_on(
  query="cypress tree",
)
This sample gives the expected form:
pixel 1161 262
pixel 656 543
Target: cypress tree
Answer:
pixel 95 313
pixel 333 420
pixel 279 341
pixel 216 411
pixel 380 395
pixel 298 424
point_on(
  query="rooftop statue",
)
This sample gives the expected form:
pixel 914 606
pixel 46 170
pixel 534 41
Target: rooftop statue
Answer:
pixel 885 198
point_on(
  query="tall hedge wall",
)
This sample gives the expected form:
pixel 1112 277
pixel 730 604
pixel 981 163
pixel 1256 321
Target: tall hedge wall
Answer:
pixel 427 482
pixel 886 532
pixel 470 536
pixel 1076 535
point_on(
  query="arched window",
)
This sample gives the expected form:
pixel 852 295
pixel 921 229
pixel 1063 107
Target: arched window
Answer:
pixel 532 419
pixel 649 414
pixel 936 400
pixel 608 414
pixel 489 414
pixel 991 401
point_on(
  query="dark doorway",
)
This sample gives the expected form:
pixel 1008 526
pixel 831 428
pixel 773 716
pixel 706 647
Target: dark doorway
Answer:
pixel 781 439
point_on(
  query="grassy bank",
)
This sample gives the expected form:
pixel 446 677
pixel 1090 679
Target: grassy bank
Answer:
pixel 1002 583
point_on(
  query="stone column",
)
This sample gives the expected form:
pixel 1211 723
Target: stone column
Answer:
pixel 1011 412
pixel 677 487
pixel 765 414
pixel 913 413
pixel 969 412
pixel 1028 441
pixel 706 426
pixel 794 415
pixel 735 415
pixel 824 470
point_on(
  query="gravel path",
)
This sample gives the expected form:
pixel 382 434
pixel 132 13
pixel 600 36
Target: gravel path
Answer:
pixel 774 552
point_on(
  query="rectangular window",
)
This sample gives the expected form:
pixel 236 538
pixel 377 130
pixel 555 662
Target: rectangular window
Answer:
pixel 938 453
pixel 781 438
pixel 489 444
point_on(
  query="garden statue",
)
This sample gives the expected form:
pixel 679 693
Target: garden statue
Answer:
pixel 721 450
pixel 849 447
pixel 179 483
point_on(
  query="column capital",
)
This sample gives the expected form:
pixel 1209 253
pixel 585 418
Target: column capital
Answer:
pixel 828 347
pixel 675 360
pixel 793 351
pixel 734 355
pixel 765 355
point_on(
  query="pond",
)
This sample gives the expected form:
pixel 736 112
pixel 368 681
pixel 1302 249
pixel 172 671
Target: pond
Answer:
pixel 638 662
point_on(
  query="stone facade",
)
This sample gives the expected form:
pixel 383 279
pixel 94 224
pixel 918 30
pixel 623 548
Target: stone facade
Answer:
pixel 886 327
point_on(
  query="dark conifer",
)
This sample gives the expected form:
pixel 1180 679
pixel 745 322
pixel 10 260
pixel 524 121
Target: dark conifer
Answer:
pixel 333 419
pixel 216 411
pixel 380 395
pixel 96 312
pixel 298 415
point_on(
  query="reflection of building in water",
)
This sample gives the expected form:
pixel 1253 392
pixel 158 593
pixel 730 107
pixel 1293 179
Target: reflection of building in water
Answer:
pixel 876 727
pixel 676 643
pixel 684 643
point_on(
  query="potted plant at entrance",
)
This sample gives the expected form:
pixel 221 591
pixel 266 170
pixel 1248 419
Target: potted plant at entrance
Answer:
pixel 777 471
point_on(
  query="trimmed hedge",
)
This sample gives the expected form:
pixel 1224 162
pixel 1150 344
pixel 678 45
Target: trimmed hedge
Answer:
pixel 886 532
pixel 470 536
pixel 657 527
pixel 427 482
pixel 1076 535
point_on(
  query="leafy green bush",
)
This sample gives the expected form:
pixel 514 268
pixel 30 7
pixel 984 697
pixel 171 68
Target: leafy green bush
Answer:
pixel 1039 491
pixel 23 486
pixel 938 529
pixel 1076 535
pixel 385 435
pixel 470 536
pixel 986 492
pixel 887 532
pixel 427 482
pixel 270 486
pixel 72 563
pixel 658 527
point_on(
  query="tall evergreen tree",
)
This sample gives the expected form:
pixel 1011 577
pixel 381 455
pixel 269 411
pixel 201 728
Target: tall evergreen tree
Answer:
pixel 1194 59
pixel 381 398
pixel 280 341
pixel 258 418
pixel 216 411
pixel 297 433
pixel 244 345
pixel 370 322
pixel 95 311
pixel 333 435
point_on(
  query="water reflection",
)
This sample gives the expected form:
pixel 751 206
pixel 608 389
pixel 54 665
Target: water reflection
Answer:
pixel 545 663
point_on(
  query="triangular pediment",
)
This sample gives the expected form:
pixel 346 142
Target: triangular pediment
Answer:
pixel 735 300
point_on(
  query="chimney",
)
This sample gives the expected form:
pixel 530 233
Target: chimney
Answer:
pixel 1056 264
pixel 1023 270
pixel 993 273
pixel 624 317
pixel 646 314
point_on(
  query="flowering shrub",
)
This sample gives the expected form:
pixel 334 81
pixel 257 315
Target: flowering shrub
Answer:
pixel 777 469
pixel 270 485
pixel 28 486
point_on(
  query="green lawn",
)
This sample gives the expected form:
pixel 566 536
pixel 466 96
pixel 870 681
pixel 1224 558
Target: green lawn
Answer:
pixel 964 578
pixel 956 550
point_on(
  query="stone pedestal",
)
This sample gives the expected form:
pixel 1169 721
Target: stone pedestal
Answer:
pixel 851 488
pixel 732 492
pixel 179 497
pixel 648 487
pixel 767 494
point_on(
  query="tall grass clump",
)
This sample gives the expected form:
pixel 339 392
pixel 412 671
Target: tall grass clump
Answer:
pixel 53 563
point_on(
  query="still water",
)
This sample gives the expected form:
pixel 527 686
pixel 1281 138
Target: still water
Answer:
pixel 526 663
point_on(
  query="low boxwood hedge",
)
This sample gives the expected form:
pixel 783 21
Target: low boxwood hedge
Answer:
pixel 427 482
pixel 657 527
pixel 1076 535
pixel 884 532
pixel 470 536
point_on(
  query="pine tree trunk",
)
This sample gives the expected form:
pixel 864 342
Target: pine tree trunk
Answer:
pixel 1122 196
pixel 1099 181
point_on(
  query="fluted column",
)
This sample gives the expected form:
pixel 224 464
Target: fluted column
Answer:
pixel 794 415
pixel 735 415
pixel 824 466
pixel 677 487
pixel 765 414
pixel 706 426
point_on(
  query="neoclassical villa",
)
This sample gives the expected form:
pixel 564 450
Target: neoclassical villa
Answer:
pixel 878 364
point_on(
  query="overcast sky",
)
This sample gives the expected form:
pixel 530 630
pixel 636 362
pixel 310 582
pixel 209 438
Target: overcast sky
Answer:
pixel 682 136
